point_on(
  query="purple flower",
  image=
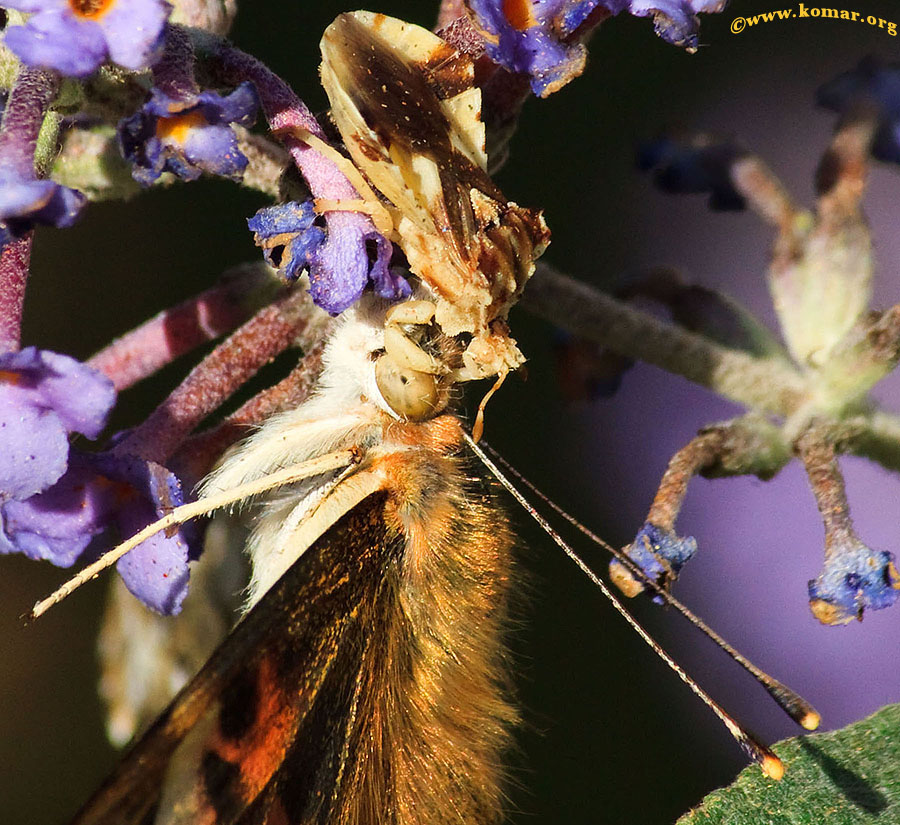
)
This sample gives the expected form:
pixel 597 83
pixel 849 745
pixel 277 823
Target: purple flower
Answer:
pixel 659 552
pixel 45 396
pixel 854 578
pixel 96 492
pixel 338 260
pixel 26 201
pixel 695 165
pixel 188 136
pixel 76 36
pixel 872 83
pixel 542 38
pixel 288 236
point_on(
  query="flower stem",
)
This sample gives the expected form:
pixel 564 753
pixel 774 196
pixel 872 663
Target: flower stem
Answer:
pixel 769 385
pixel 196 456
pixel 285 112
pixel 173 73
pixel 14 264
pixel 175 331
pixel 23 118
pixel 218 376
pixel 817 452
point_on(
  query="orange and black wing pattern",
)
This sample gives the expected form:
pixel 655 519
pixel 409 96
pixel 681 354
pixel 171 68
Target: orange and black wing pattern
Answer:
pixel 266 731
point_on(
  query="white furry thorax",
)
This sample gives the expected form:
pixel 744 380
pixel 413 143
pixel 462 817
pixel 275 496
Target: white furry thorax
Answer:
pixel 345 410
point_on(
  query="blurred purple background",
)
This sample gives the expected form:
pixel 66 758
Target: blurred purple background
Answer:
pixel 610 735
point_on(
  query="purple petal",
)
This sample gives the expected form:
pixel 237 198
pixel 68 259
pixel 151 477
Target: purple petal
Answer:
pixel 57 525
pixel 240 106
pixel 854 578
pixel 659 552
pixel 26 202
pixel 156 571
pixel 43 397
pixel 340 269
pixel 288 236
pixel 676 21
pixel 58 40
pixel 37 5
pixel 134 31
pixel 214 149
pixel 291 217
pixel 693 165
pixel 97 490
pixel 388 283
pixel 188 136
pixel 33 444
pixel 81 396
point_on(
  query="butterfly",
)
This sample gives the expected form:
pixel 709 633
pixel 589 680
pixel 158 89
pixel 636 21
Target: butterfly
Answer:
pixel 368 683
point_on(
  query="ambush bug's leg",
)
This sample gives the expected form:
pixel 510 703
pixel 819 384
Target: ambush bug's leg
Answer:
pixel 296 472
pixel 414 383
pixel 399 327
pixel 375 211
pixel 381 218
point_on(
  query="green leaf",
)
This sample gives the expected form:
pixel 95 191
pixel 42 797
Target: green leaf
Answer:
pixel 844 777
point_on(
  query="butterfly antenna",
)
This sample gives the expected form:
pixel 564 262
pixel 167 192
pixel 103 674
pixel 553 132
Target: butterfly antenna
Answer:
pixel 771 765
pixel 202 507
pixel 794 705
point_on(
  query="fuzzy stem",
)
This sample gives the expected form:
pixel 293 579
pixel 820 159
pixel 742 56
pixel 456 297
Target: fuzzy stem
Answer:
pixel 23 118
pixel 816 450
pixel 14 264
pixel 683 466
pixel 764 192
pixel 866 355
pixel 747 445
pixel 284 112
pixel 770 385
pixel 876 437
pixel 175 331
pixel 173 73
pixel 218 376
pixel 196 456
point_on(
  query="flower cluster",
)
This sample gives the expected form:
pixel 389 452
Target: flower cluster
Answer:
pixel 183 116
pixel 188 135
pixel 837 349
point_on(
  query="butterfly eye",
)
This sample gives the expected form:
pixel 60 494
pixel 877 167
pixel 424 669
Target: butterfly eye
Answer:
pixel 413 395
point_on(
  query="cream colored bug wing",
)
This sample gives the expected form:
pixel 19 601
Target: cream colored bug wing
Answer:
pixel 404 103
pixel 409 114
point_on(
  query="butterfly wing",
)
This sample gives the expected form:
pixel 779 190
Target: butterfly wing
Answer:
pixel 265 732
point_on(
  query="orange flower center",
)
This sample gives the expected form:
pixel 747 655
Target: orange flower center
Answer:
pixel 7 377
pixel 519 14
pixel 90 9
pixel 176 128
